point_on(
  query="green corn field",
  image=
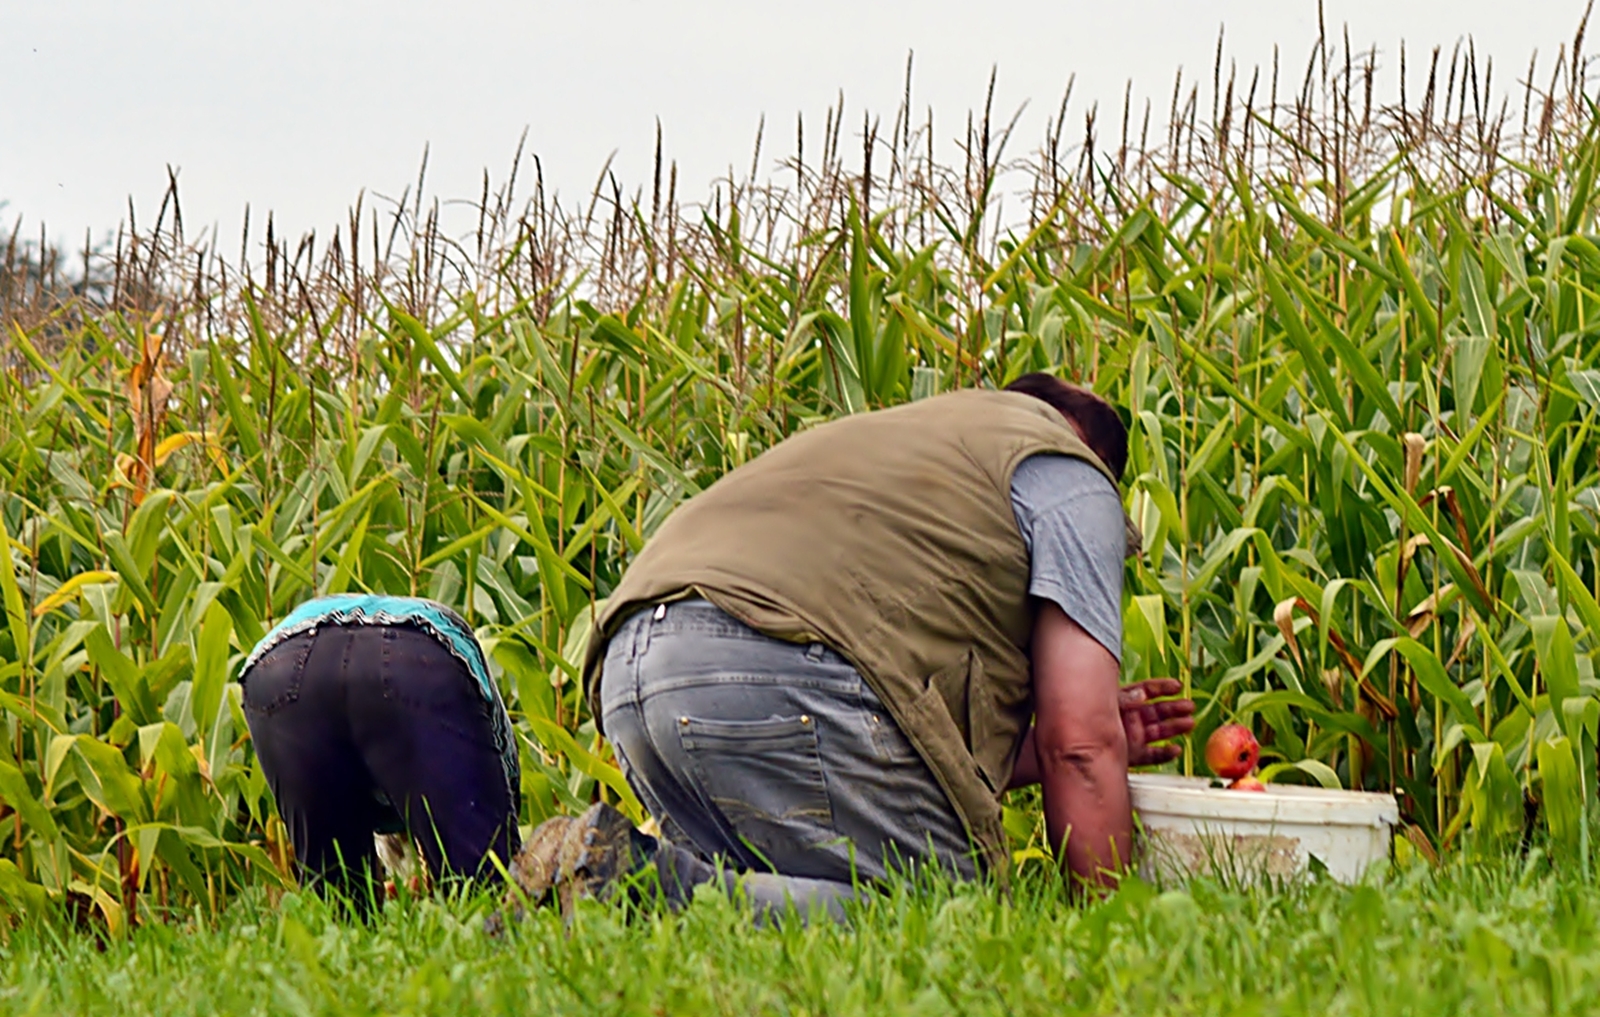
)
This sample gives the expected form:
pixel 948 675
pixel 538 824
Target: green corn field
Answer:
pixel 1356 345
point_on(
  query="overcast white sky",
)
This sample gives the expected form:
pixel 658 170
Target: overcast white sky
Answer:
pixel 295 105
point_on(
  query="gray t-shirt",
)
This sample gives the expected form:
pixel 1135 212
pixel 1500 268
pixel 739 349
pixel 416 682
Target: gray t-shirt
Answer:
pixel 1070 516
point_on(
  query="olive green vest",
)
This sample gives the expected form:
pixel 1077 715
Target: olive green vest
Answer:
pixel 890 537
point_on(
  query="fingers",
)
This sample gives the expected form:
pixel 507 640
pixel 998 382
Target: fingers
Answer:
pixel 1159 688
pixel 1164 730
pixel 1150 688
pixel 1151 714
pixel 1166 710
pixel 1149 723
pixel 1174 728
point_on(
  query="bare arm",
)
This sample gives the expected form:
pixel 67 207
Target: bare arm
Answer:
pixel 1150 717
pixel 1081 749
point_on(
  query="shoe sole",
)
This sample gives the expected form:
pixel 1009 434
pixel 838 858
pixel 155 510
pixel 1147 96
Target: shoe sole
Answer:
pixel 597 851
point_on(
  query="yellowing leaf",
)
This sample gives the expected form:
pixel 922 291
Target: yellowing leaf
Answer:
pixel 69 589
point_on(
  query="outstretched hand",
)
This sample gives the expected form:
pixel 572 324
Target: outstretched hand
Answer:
pixel 1148 722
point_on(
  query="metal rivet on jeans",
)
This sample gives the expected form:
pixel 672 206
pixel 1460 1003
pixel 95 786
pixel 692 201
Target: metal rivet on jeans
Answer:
pixel 805 718
pixel 684 721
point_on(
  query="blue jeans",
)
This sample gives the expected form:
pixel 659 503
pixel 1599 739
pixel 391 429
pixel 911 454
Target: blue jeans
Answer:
pixel 770 763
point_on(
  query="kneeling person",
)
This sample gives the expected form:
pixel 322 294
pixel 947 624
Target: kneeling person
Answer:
pixel 374 714
pixel 840 655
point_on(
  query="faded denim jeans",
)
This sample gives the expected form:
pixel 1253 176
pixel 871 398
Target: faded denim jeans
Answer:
pixel 767 764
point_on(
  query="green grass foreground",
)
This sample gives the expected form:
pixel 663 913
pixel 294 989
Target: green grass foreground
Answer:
pixel 1487 938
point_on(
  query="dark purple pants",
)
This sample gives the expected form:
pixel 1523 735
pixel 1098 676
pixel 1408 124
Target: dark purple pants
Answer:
pixel 378 728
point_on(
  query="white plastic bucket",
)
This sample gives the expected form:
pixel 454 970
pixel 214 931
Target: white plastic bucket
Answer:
pixel 1192 828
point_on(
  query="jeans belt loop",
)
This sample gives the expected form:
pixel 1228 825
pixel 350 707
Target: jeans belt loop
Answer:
pixel 647 626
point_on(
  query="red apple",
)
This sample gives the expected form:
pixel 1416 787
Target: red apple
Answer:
pixel 1232 751
pixel 1247 783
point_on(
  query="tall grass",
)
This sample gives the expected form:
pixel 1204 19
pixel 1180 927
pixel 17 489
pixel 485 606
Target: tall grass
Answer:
pixel 1353 341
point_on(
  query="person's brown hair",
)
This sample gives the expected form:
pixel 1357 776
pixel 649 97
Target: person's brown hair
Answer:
pixel 1102 429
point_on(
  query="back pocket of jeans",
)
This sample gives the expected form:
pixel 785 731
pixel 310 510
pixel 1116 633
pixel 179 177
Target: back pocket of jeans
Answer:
pixel 766 778
pixel 273 681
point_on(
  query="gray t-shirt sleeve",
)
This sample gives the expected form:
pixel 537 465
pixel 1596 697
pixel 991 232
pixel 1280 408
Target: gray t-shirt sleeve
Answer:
pixel 1070 517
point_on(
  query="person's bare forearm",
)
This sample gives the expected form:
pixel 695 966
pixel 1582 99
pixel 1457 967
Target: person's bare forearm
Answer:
pixel 1081 747
pixel 1151 714
pixel 1087 812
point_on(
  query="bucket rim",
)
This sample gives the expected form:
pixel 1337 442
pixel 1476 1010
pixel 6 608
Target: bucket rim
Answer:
pixel 1194 797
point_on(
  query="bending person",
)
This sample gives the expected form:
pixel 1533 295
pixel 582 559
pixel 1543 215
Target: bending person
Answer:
pixel 844 652
pixel 374 714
